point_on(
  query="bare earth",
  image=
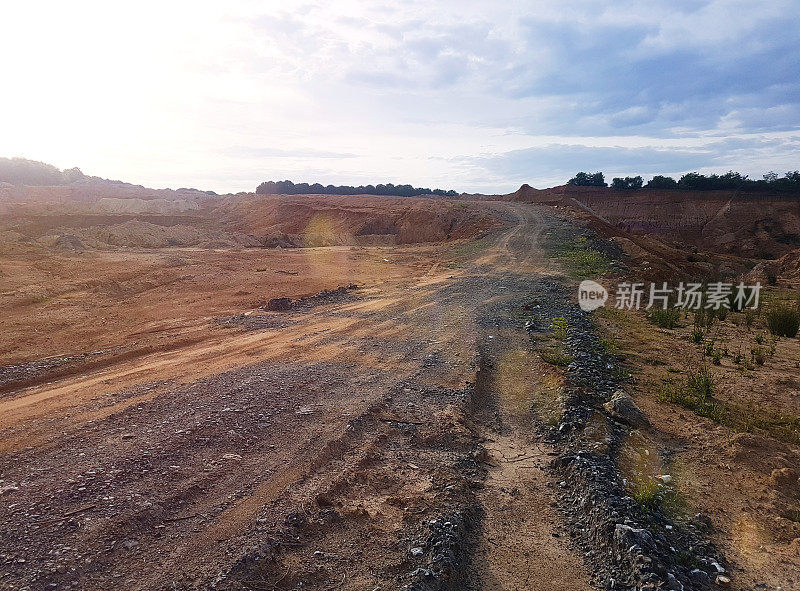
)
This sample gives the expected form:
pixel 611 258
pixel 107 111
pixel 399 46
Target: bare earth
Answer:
pixel 183 438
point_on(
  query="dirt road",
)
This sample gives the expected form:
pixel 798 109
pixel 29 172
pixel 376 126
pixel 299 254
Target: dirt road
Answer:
pixel 372 442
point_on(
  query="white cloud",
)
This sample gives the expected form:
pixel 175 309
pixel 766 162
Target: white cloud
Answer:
pixel 171 93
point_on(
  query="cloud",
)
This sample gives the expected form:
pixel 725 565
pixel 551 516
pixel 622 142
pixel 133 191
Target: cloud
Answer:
pixel 446 93
pixel 250 152
pixel 564 160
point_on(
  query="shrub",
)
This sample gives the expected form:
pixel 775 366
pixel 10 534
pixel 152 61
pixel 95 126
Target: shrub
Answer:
pixel 695 396
pixel 697 335
pixel 783 321
pixel 700 318
pixel 700 383
pixel 757 353
pixel 664 318
pixel 716 359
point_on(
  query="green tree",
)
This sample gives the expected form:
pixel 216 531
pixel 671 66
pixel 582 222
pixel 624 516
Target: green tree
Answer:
pixel 662 182
pixel 627 183
pixel 584 179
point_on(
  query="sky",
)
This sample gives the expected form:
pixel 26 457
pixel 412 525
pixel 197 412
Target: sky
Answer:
pixel 473 96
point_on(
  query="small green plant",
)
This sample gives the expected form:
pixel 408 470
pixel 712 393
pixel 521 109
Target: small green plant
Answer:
pixel 695 395
pixel 609 345
pixel 716 358
pixel 783 321
pixel 555 356
pixel 560 328
pixel 697 335
pixel 700 383
pixel 759 339
pixel 665 318
pixel 647 494
pixel 749 317
pixel 757 355
pixel 708 348
pixel 700 318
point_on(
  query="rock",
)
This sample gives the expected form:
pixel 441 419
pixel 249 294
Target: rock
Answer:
pixel 723 581
pixel 699 576
pixel 673 583
pixel 279 304
pixel 235 457
pixel 783 477
pixel 416 551
pixel 720 569
pixel 622 408
pixel 625 537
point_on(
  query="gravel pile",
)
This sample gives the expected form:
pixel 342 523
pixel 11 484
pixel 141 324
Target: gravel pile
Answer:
pixel 628 545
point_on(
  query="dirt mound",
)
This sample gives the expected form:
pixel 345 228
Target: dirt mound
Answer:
pixel 245 220
pixel 742 224
pixel 153 206
pixel 786 268
pixel 69 242
pixel 96 195
pixel 313 220
pixel 140 234
pixel 326 296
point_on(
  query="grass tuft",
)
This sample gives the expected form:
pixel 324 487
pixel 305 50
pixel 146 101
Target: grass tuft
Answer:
pixel 783 321
pixel 664 318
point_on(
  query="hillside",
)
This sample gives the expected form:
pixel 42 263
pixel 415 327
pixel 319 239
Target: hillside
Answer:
pixel 753 225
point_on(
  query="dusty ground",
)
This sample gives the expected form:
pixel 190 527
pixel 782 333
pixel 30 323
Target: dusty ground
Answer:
pixel 723 467
pixel 158 429
pixel 200 447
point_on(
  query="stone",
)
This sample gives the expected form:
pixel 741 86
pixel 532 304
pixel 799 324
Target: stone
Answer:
pixel 673 583
pixel 625 537
pixel 279 304
pixel 699 576
pixel 416 551
pixel 622 408
pixel 723 581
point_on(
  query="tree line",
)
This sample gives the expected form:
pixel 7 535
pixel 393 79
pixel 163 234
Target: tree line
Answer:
pixel 290 188
pixel 694 181
pixel 21 171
